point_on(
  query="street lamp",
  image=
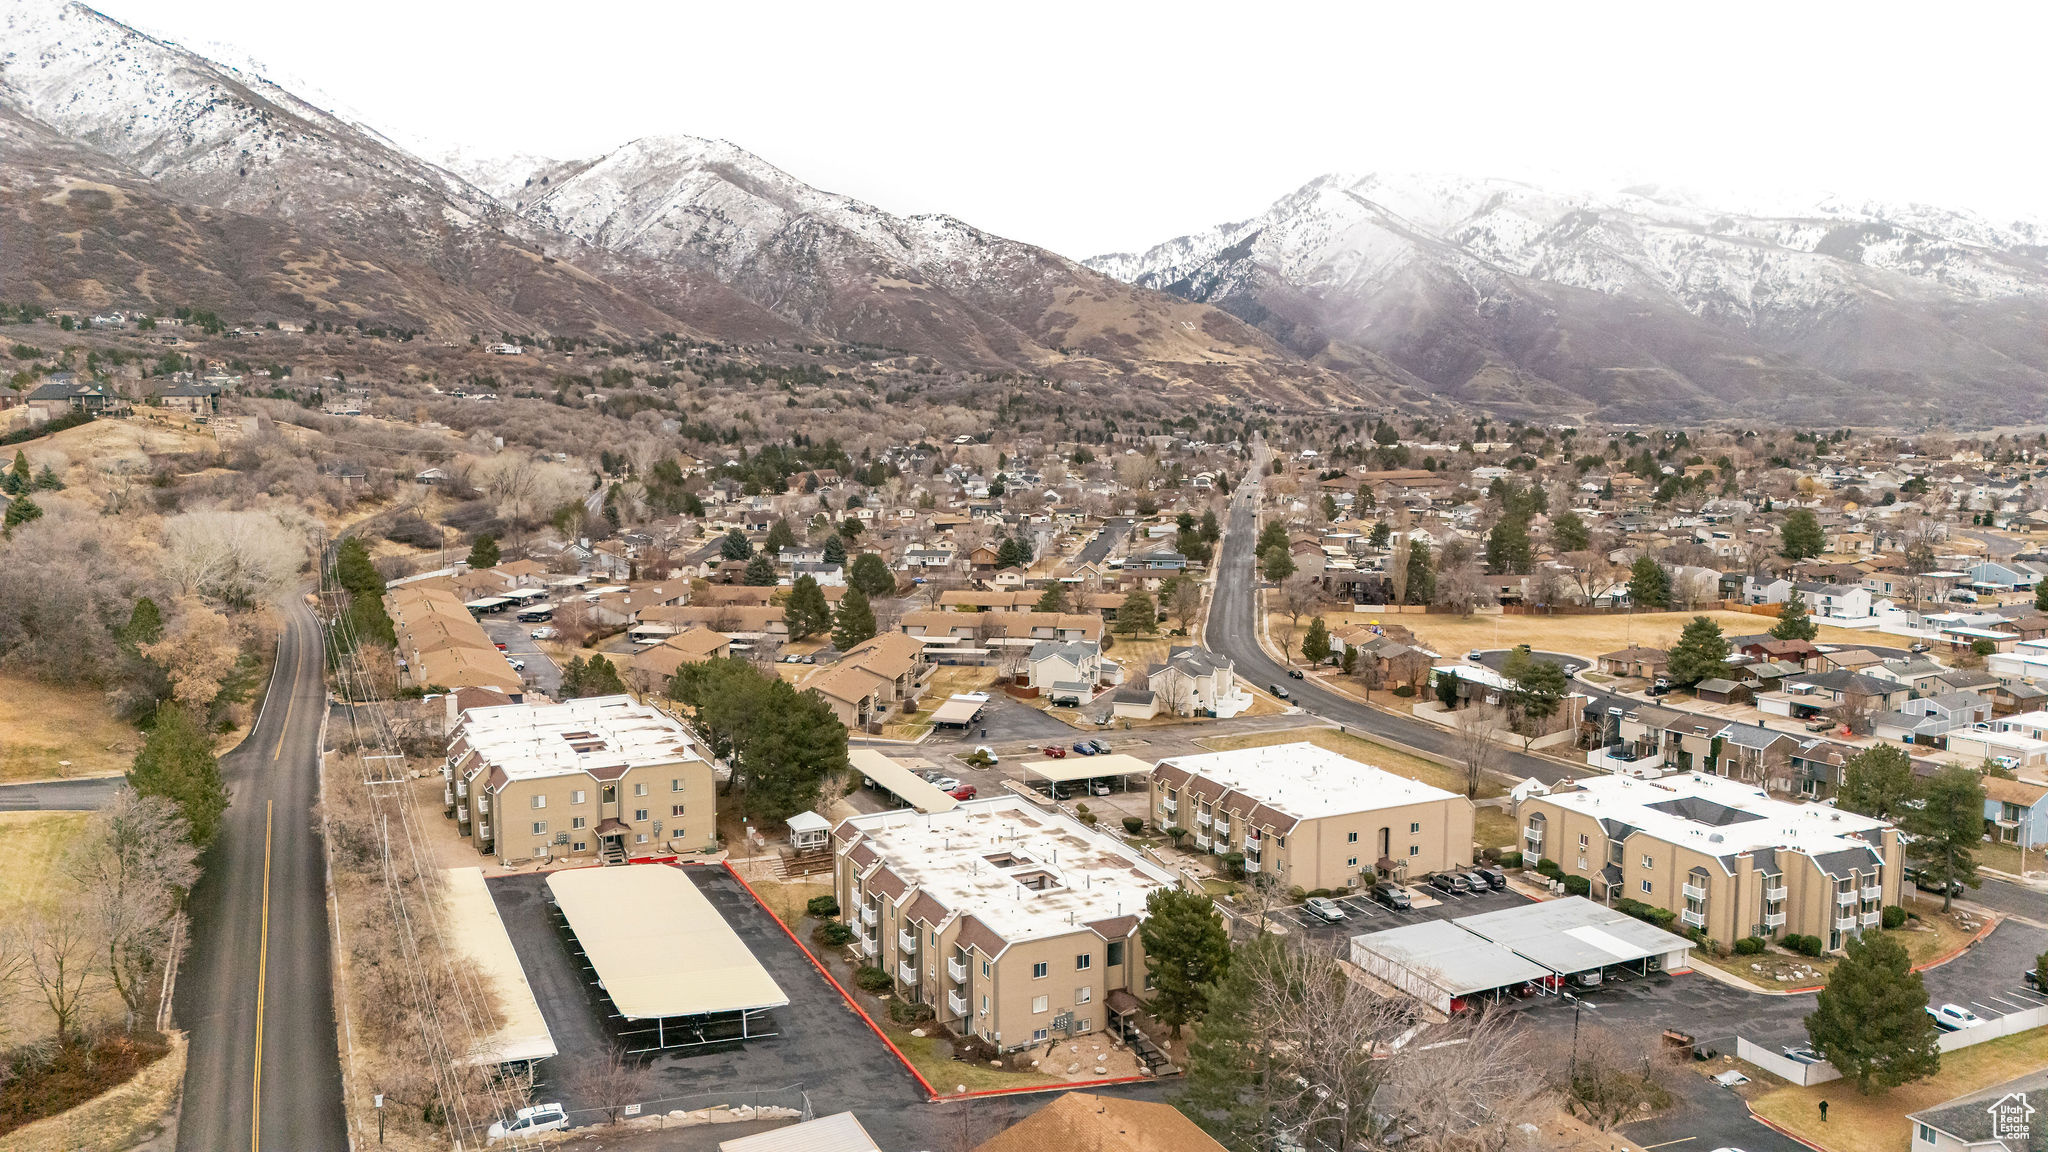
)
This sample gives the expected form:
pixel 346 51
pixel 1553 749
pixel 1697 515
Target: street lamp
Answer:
pixel 378 1100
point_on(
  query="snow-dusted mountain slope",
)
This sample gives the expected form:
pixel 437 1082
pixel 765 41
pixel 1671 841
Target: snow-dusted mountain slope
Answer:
pixel 1633 302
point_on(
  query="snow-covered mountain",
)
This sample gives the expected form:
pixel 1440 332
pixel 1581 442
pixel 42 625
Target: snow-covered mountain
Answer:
pixel 1640 303
pixel 931 284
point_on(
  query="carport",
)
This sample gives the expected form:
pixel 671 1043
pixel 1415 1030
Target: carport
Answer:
pixel 478 932
pixel 1050 774
pixel 959 711
pixel 675 972
pixel 1574 937
pixel 899 781
pixel 1440 963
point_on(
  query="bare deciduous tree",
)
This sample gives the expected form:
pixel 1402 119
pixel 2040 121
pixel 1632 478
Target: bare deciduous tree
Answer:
pixel 240 559
pixel 1478 743
pixel 1185 604
pixel 130 867
pixel 610 1080
pixel 62 951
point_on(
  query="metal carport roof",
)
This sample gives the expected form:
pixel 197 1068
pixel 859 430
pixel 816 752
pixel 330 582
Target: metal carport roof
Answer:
pixel 894 778
pixel 658 946
pixel 1573 935
pixel 1443 956
pixel 478 932
pixel 1078 767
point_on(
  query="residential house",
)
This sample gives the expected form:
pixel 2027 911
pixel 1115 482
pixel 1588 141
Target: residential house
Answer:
pixel 1065 673
pixel 1635 661
pixel 650 670
pixel 1194 681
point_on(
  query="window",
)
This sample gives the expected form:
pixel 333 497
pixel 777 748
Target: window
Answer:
pixel 984 1002
pixel 640 789
pixel 578 796
pixel 1084 961
pixel 639 813
pixel 1040 1034
pixel 609 794
pixel 1582 841
pixel 1646 887
pixel 540 801
pixel 1415 849
pixel 1351 863
pixel 1116 953
pixel 984 972
pixel 1148 982
pixel 576 821
pixel 1352 838
pixel 1040 970
pixel 1082 1025
pixel 582 845
pixel 640 839
pixel 675 785
pixel 675 809
pixel 1040 1003
pixel 1647 862
pixel 1084 995
pixel 1927 1134
pixel 1414 828
pixel 540 827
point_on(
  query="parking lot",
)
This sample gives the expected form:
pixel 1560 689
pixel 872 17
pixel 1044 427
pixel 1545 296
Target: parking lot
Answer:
pixel 517 638
pixel 1363 914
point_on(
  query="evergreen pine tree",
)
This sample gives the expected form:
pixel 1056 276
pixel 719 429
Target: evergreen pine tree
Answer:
pixel 1315 643
pixel 870 573
pixel 177 763
pixel 835 549
pixel 1877 782
pixel 483 552
pixel 1137 614
pixel 1946 827
pixel 856 620
pixel 1800 536
pixel 20 510
pixel 1187 950
pixel 1871 1020
pixel 1794 622
pixel 736 546
pixel 806 615
pixel 1053 599
pixel 1701 652
pixel 1649 586
pixel 760 571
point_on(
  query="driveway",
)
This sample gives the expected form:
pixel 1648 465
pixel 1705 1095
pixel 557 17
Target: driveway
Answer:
pixel 823 1047
pixel 60 795
pixel 519 645
pixel 1364 915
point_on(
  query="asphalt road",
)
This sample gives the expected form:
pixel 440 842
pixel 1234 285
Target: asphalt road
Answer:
pixel 255 992
pixel 60 795
pixel 1232 622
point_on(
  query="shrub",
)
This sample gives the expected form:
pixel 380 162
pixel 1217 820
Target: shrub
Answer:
pixel 1578 886
pixel 904 1012
pixel 1510 860
pixel 872 979
pixel 1805 945
pixel 1086 817
pixel 1548 867
pixel 1134 825
pixel 833 934
pixel 1176 834
pixel 1323 892
pixel 823 906
pixel 1297 894
pixel 1405 691
pixel 1233 865
pixel 1749 946
pixel 1894 917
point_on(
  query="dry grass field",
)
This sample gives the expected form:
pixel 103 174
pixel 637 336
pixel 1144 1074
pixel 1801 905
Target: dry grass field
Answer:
pixel 33 845
pixel 1878 1123
pixel 43 726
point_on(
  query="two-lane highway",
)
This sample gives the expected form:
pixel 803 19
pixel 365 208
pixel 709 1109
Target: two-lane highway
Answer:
pixel 255 992
pixel 1232 630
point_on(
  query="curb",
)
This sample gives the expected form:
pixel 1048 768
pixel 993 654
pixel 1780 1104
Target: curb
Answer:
pixel 1991 924
pixel 1781 1129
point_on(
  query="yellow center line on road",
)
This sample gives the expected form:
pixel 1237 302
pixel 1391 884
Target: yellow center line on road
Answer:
pixel 262 978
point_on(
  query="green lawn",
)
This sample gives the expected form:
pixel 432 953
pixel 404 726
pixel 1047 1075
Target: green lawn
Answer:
pixel 933 1057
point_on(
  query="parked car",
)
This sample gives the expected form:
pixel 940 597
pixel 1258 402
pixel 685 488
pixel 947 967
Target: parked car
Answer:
pixel 1962 597
pixel 1084 747
pixel 1277 690
pixel 1954 1017
pixel 518 665
pixel 546 633
pixel 1571 669
pixel 1923 646
pixel 963 792
pixel 810 657
pixel 945 783
pixel 1392 895
pixel 2033 978
pixel 1294 674
pixel 1820 725
pixel 1450 882
pixel 1800 1054
pixel 1055 752
pixel 1495 878
pixel 529 1120
pixel 1098 787
pixel 1923 883
pixel 1101 747
pixel 1473 655
pixel 1324 907
pixel 1477 880
pixel 498 644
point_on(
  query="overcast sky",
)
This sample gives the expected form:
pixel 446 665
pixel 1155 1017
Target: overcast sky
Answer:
pixel 1090 127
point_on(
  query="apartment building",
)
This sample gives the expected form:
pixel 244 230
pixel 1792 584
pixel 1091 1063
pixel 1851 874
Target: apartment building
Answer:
pixel 1726 857
pixel 440 644
pixel 1015 924
pixel 1313 818
pixel 597 777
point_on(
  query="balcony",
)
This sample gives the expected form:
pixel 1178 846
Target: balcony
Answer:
pixel 1169 805
pixel 1696 919
pixel 1251 866
pixel 1774 919
pixel 1845 923
pixel 1695 892
pixel 906 973
pixel 869 946
pixel 1532 835
pixel 1848 897
pixel 1870 918
pixel 1201 841
pixel 1251 836
pixel 1873 892
pixel 483 802
pixel 956 1003
pixel 956 969
pixel 869 915
pixel 1777 893
pixel 905 942
pixel 1222 829
pixel 1202 819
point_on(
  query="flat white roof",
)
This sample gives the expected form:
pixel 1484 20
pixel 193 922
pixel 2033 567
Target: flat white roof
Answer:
pixel 960 709
pixel 1079 767
pixel 1668 809
pixel 479 933
pixel 913 789
pixel 531 741
pixel 977 859
pixel 1573 934
pixel 659 947
pixel 1308 781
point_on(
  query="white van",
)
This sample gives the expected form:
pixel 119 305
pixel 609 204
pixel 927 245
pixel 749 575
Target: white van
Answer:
pixel 527 1121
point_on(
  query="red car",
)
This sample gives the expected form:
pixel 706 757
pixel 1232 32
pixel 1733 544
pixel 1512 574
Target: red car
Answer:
pixel 963 792
pixel 1055 752
pixel 499 646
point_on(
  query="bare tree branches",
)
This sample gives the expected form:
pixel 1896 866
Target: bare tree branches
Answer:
pixel 610 1080
pixel 1478 743
pixel 131 867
